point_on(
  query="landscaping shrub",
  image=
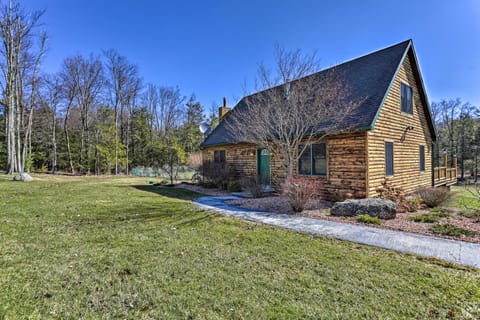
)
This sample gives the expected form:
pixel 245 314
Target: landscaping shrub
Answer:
pixel 338 196
pixel 299 192
pixel 439 210
pixel 429 217
pixel 472 214
pixel 197 177
pixel 414 203
pixel 397 195
pixel 214 174
pixel 365 218
pixel 433 197
pixel 451 230
pixel 252 184
pixel 234 186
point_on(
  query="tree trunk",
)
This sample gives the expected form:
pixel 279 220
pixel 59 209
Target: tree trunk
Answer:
pixel 67 138
pixel 54 141
pixel 97 156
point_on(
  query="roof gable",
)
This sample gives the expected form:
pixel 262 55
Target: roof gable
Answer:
pixel 369 79
pixel 421 87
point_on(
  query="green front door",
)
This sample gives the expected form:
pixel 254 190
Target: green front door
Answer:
pixel 263 165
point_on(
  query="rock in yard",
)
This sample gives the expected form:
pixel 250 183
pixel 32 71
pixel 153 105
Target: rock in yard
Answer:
pixel 25 177
pixel 375 207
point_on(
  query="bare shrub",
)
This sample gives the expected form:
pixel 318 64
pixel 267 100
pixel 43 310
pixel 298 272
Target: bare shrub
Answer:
pixel 433 197
pixel 212 174
pixel 252 184
pixel 299 192
pixel 339 196
pixel 395 194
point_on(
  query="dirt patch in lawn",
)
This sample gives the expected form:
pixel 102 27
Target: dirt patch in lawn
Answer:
pixel 402 222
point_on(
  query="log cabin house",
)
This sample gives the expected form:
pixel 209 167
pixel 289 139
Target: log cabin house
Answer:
pixel 392 135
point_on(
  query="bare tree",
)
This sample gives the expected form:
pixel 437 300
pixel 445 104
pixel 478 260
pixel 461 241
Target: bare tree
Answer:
pixel 85 76
pixel 150 101
pixel 123 84
pixel 68 93
pixel 164 104
pixel 445 114
pixel 294 107
pixel 170 102
pixel 131 101
pixel 21 53
pixel 51 99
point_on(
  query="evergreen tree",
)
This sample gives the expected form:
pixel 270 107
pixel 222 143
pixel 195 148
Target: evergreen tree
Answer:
pixel 191 137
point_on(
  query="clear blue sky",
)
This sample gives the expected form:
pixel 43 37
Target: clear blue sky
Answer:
pixel 212 48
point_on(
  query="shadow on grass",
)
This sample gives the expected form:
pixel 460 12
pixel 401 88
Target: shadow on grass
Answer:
pixel 174 216
pixel 170 192
pixel 170 211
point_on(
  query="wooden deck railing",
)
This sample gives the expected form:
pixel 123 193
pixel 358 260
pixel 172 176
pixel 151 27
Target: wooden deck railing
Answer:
pixel 444 176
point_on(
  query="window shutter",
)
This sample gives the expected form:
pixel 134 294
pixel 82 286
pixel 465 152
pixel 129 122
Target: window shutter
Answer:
pixel 389 158
pixel 422 158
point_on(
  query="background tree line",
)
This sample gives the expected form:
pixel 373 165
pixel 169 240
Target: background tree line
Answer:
pixel 458 134
pixel 95 115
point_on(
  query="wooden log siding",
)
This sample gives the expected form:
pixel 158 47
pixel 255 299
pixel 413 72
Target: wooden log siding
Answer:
pixel 346 166
pixel 241 158
pixel 390 126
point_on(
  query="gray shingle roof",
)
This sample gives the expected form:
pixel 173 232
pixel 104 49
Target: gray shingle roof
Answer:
pixel 368 79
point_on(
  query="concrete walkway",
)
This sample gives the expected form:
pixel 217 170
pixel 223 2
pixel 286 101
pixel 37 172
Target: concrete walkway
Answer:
pixel 455 251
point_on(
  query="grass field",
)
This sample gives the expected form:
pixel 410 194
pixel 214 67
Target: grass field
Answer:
pixel 109 248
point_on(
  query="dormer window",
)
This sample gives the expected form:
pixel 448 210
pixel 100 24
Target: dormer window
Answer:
pixel 406 97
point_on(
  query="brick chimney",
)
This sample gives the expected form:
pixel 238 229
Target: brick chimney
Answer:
pixel 224 110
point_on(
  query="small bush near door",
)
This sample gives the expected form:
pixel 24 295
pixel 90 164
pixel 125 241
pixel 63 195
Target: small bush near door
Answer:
pixel 234 186
pixel 252 184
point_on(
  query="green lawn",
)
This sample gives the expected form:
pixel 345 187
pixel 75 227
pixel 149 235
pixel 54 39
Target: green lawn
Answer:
pixel 467 199
pixel 108 248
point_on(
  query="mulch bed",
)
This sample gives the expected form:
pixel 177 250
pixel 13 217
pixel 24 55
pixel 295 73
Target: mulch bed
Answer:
pixel 320 210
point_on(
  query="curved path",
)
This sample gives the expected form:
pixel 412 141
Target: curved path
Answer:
pixel 450 250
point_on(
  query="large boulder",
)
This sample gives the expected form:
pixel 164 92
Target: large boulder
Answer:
pixel 25 177
pixel 375 207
